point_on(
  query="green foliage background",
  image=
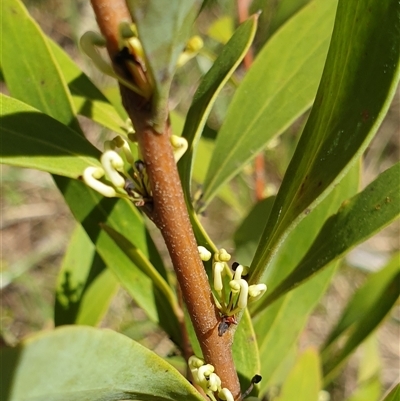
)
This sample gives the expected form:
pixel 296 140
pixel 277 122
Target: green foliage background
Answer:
pixel 317 216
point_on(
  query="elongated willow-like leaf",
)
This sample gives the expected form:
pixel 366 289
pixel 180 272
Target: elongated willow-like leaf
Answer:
pixel 372 302
pixel 279 326
pixel 79 283
pixel 32 139
pixel 163 45
pixel 274 14
pixel 300 386
pixel 394 394
pixel 369 386
pixel 30 70
pixel 304 234
pixel 207 92
pixel 88 364
pixel 165 299
pixel 88 207
pixel 278 88
pixel 88 100
pixel 357 220
pixel 365 299
pixel 359 81
pixel 91 210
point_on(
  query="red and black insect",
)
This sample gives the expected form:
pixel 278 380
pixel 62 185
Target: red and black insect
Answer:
pixel 225 323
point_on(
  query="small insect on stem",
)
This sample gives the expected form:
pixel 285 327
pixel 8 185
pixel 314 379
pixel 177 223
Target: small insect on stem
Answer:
pixel 225 323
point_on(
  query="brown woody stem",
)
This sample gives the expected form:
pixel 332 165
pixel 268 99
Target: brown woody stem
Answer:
pixel 169 212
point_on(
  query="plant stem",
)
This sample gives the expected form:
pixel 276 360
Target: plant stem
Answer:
pixel 169 212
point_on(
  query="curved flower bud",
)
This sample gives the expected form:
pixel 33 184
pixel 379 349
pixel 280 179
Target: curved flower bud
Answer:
pixel 235 286
pixel 241 271
pixel 214 382
pixel 180 146
pixel 244 291
pixel 193 46
pixel 88 43
pixel 112 162
pixel 122 143
pixel 218 268
pixel 225 394
pixel 222 256
pixel 204 253
pixel 194 362
pixel 203 373
pixel 91 177
pixel 256 291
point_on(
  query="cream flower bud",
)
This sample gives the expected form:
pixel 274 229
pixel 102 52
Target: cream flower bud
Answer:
pixel 241 271
pixel 195 44
pixel 91 177
pixel 235 286
pixel 203 373
pixel 223 256
pixel 244 291
pixel 136 48
pixel 112 162
pixel 225 394
pixel 218 268
pixel 180 146
pixel 194 362
pixel 122 143
pixel 256 291
pixel 214 382
pixel 204 253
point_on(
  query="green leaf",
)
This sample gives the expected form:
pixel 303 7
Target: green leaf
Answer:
pixel 365 311
pixel 282 84
pixel 222 29
pixel 207 92
pixel 365 299
pixel 88 207
pixel 245 351
pixel 357 220
pixel 88 364
pixel 279 326
pixel 359 81
pixel 92 210
pixel 304 234
pixel 248 233
pixel 127 274
pixel 76 300
pixel 32 139
pixel 274 14
pixel 163 45
pixel 30 70
pixel 394 394
pixel 304 381
pixel 369 387
pixel 88 100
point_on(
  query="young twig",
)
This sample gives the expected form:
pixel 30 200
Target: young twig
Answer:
pixel 169 211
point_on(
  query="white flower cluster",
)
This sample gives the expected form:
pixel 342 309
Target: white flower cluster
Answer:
pixel 231 296
pixel 204 376
pixel 133 185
